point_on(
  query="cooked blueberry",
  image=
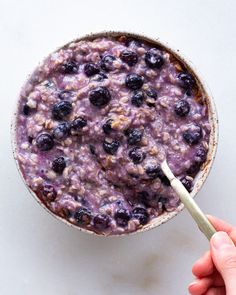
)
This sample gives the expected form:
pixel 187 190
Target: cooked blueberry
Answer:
pixel 58 165
pixel 92 149
pixel 134 81
pixel 187 183
pixel 69 67
pixel 30 139
pixel 133 42
pixel 163 200
pixel 149 200
pixel 26 110
pixel 186 80
pixel 201 155
pixel 154 59
pixel 83 216
pixel 122 217
pixel 134 135
pixel 61 131
pixel 155 171
pixel 101 221
pixel 61 109
pixel 193 136
pixel 141 214
pixel 136 155
pixel 48 191
pixel 78 124
pixel 107 62
pixel 100 96
pixel 64 94
pixel 100 77
pixel 91 69
pixel 107 126
pixel 129 57
pixel 193 169
pixel 44 142
pixel 111 147
pixel 182 108
pixel 151 93
pixel 137 98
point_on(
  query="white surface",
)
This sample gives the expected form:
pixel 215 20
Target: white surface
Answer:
pixel 38 254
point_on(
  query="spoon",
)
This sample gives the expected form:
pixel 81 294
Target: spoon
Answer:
pixel 202 221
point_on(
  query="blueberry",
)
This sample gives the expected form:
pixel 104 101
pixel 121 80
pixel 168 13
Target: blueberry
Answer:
pixel 154 59
pixel 187 183
pixel 91 69
pixel 107 62
pixel 69 67
pixel 193 137
pixel 136 155
pixel 100 96
pixel 182 108
pixel 44 142
pixel 49 192
pixel 193 169
pixel 134 81
pixel 134 135
pixel 137 98
pixel 141 214
pixel 151 93
pixel 154 171
pixel 100 77
pixel 148 199
pixel 101 221
pixel 64 94
pixel 163 200
pixel 61 109
pixel 26 110
pixel 122 217
pixel 111 147
pixel 58 165
pixel 83 216
pixel 186 80
pixel 30 139
pixel 107 126
pixel 61 131
pixel 201 155
pixel 92 149
pixel 78 124
pixel 129 57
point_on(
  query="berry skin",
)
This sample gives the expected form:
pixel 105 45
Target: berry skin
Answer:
pixel 100 96
pixel 83 216
pixel 134 81
pixel 186 80
pixel 136 155
pixel 107 62
pixel 122 217
pixel 69 67
pixel 101 221
pixel 44 142
pixel 111 147
pixel 151 93
pixel 154 171
pixel 49 192
pixel 193 169
pixel 107 126
pixel 187 183
pixel 78 124
pixel 137 98
pixel 182 108
pixel 201 155
pixel 129 57
pixel 91 69
pixel 134 135
pixel 141 214
pixel 61 131
pixel 58 165
pixel 26 110
pixel 193 137
pixel 154 59
pixel 61 110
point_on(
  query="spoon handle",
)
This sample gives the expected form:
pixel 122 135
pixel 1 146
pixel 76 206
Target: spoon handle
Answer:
pixel 202 221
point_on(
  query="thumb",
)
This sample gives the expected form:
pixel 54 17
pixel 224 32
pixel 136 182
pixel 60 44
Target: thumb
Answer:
pixel 223 253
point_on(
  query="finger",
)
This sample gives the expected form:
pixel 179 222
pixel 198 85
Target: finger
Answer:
pixel 200 286
pixel 216 291
pixel 204 266
pixel 221 225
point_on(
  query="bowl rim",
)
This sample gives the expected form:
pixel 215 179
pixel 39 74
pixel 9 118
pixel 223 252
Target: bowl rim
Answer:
pixel 202 175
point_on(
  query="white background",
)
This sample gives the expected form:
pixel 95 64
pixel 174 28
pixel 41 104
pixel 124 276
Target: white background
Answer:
pixel 41 256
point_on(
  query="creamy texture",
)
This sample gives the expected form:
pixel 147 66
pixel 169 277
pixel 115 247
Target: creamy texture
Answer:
pixel 103 188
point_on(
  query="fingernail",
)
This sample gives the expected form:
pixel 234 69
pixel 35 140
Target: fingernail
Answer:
pixel 192 284
pixel 221 240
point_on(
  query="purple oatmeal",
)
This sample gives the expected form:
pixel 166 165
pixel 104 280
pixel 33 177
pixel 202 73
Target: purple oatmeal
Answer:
pixel 92 124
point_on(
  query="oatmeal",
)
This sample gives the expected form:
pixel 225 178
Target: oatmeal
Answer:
pixel 92 124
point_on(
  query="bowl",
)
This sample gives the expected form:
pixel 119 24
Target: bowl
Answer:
pixel 213 142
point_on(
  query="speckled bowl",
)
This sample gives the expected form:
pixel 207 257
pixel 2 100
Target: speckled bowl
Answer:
pixel 205 169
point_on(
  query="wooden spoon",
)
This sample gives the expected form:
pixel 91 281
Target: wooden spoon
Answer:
pixel 202 221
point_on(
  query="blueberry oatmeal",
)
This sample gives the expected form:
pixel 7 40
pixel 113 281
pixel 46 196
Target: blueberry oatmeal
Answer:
pixel 92 124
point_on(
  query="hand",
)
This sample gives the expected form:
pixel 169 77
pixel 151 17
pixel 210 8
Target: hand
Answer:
pixel 215 271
